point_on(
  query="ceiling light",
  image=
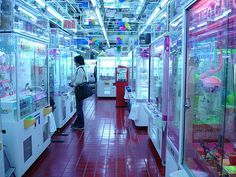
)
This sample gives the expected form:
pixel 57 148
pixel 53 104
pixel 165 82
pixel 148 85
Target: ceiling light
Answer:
pixel 99 17
pixel 153 15
pixel 163 3
pixel 55 13
pixel 41 3
pixel 94 2
pixel 102 25
pixel 27 13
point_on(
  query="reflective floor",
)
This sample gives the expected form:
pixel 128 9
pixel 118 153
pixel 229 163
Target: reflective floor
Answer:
pixel 109 146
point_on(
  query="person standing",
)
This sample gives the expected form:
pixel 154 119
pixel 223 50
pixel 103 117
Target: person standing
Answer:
pixel 80 76
pixel 95 73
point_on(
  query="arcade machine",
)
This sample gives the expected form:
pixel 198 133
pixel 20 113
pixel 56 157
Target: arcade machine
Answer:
pixel 122 80
pixel 210 104
pixel 23 83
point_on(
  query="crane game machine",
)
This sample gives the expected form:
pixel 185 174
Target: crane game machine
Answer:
pixel 122 79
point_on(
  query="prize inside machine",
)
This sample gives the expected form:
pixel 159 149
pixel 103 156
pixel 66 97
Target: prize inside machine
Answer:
pixel 23 83
pixel 210 117
pixel 106 76
pixel 141 82
pixel 64 101
pixel 157 106
pixel 175 95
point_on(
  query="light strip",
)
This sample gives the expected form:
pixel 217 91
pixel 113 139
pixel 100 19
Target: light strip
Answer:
pixel 99 17
pixel 192 28
pixel 55 13
pixel 150 19
pixel 202 24
pixel 27 13
pixel 153 15
pixel 94 2
pixel 41 3
pixel 223 15
pixel 163 3
pixel 102 25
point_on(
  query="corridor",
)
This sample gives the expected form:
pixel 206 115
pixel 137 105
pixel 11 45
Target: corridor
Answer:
pixel 109 146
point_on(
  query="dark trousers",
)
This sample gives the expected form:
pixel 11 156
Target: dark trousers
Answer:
pixel 79 121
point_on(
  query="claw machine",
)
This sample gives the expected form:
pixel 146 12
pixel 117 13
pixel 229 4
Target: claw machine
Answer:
pixel 157 105
pixel 140 84
pixel 210 104
pixel 23 83
pixel 61 56
pixel 175 95
pixel 158 96
pixel 106 76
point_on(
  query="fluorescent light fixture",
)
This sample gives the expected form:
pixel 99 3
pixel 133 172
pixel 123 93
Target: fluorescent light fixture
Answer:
pixel 202 24
pixel 94 2
pixel 163 3
pixel 138 9
pixel 99 17
pixel 55 13
pixel 27 13
pixel 176 23
pixel 41 3
pixel 66 37
pixel 102 25
pixel 153 15
pixel 223 15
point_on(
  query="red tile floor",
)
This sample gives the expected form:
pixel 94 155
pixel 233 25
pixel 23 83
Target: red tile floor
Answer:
pixel 109 146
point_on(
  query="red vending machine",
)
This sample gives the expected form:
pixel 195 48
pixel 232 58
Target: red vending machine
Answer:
pixel 122 80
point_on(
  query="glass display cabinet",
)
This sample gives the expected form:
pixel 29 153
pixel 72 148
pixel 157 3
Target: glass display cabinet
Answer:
pixel 159 24
pixel 23 83
pixel 158 96
pixel 106 76
pixel 140 84
pixel 210 124
pixel 142 74
pixel 175 95
pixel 61 70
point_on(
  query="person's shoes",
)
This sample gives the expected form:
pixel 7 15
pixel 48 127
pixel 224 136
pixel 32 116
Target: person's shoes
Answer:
pixel 74 127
